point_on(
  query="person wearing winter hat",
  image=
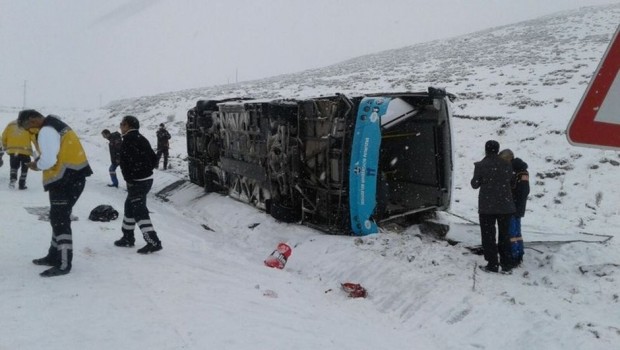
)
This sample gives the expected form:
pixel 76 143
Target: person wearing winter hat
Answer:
pixel 163 144
pixel 492 175
pixel 520 191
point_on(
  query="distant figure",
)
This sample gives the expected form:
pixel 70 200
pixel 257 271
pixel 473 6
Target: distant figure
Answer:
pixel 163 144
pixel 137 163
pixel 65 168
pixel 17 142
pixel 520 191
pixel 114 143
pixel 495 205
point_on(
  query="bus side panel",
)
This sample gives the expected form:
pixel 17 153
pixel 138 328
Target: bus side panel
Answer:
pixel 364 165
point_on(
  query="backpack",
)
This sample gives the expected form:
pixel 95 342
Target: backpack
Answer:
pixel 103 213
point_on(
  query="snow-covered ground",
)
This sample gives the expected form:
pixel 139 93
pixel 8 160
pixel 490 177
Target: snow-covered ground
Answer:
pixel 208 287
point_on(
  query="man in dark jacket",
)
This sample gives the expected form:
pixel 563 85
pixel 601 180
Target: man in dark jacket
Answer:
pixel 495 205
pixel 65 168
pixel 137 161
pixel 114 144
pixel 163 144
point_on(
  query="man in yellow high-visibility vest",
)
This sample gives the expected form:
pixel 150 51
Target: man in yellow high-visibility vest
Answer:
pixel 65 168
pixel 17 142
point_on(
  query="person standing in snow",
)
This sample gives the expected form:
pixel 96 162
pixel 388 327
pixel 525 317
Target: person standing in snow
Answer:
pixel 520 191
pixel 114 143
pixel 17 142
pixel 492 175
pixel 65 168
pixel 137 162
pixel 163 144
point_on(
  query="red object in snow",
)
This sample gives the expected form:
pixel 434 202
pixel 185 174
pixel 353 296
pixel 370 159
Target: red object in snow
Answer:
pixel 355 290
pixel 279 256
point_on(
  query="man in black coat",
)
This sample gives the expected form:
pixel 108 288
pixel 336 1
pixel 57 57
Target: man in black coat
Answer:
pixel 137 161
pixel 114 144
pixel 492 175
pixel 163 144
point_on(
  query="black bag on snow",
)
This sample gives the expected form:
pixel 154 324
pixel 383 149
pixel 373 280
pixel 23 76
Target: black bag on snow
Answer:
pixel 103 213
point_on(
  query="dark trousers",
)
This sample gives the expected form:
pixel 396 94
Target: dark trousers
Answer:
pixel 136 212
pixel 490 246
pixel 112 170
pixel 163 151
pixel 18 161
pixel 62 199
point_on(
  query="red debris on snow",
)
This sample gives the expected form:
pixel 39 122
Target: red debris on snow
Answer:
pixel 355 290
pixel 278 257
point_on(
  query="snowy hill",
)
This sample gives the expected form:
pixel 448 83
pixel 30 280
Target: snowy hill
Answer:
pixel 517 84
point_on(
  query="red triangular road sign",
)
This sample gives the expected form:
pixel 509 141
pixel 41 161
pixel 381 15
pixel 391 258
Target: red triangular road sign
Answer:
pixel 596 122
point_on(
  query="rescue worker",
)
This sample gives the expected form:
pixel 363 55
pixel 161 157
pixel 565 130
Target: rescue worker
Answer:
pixel 137 163
pixel 65 168
pixel 17 142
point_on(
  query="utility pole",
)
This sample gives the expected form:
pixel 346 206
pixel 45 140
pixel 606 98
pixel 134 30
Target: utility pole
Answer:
pixel 25 84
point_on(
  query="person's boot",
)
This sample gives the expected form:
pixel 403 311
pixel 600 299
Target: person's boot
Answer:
pixel 12 183
pixel 51 259
pixel 507 269
pixel 490 268
pixel 22 185
pixel 55 271
pixel 125 241
pixel 114 180
pixel 150 248
pixel 45 261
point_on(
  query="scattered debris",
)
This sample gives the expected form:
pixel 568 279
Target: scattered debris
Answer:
pixel 473 287
pixel 599 270
pixel 355 290
pixel 279 256
pixel 270 294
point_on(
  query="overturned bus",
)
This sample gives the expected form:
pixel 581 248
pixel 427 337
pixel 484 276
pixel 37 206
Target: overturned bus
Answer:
pixel 340 164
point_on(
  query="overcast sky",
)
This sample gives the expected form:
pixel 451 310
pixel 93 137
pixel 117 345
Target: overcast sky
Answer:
pixel 84 53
